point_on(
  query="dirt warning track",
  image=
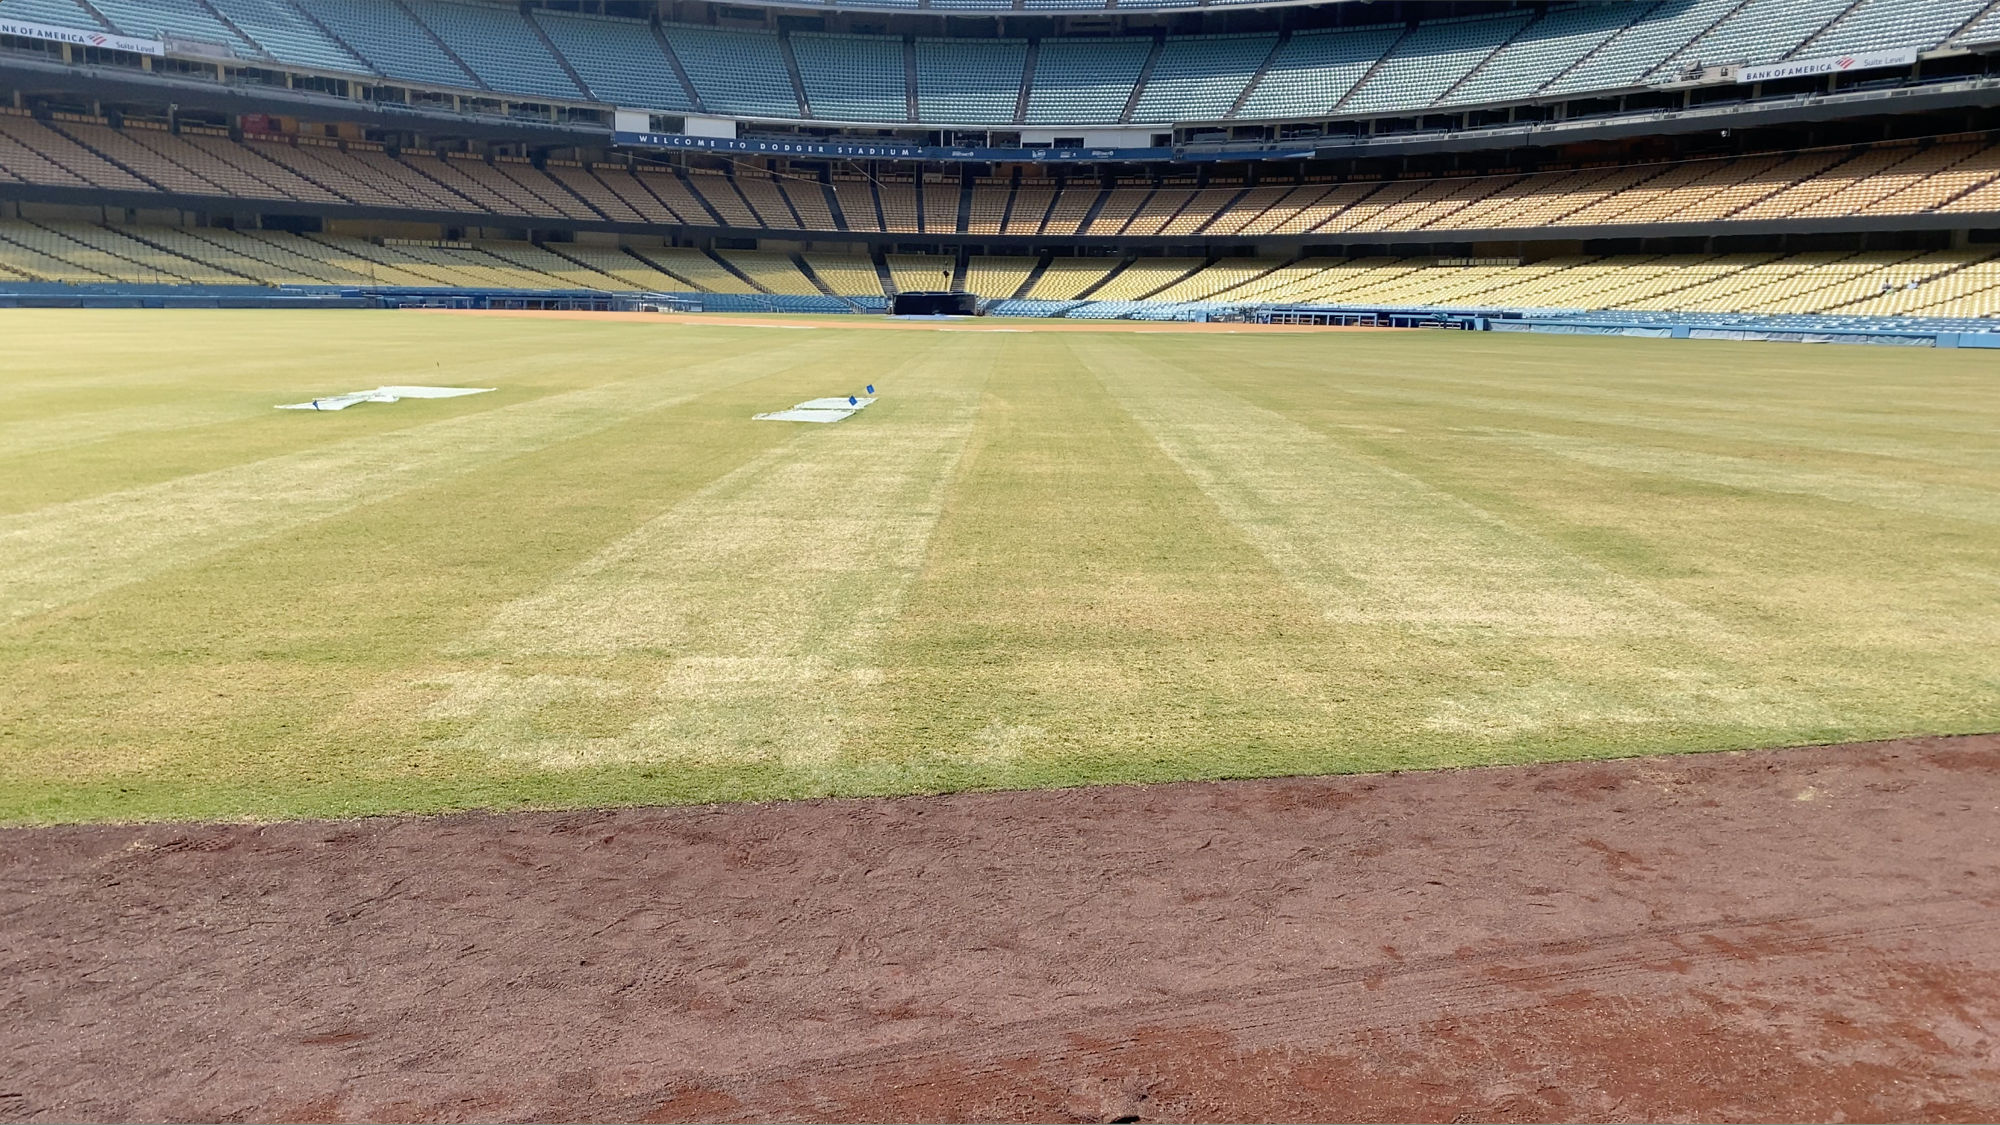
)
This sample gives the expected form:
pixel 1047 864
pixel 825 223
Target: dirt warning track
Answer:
pixel 1799 934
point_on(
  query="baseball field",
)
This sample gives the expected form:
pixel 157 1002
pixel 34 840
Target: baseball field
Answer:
pixel 1041 558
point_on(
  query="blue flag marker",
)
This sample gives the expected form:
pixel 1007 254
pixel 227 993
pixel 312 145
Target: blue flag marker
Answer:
pixel 871 388
pixel 850 400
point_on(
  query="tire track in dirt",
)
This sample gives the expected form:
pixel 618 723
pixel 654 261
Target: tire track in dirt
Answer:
pixel 1321 1009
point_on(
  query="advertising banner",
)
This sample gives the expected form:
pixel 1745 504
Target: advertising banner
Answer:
pixel 1839 64
pixel 99 39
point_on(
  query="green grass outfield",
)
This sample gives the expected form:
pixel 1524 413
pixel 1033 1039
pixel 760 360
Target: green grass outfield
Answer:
pixel 1043 558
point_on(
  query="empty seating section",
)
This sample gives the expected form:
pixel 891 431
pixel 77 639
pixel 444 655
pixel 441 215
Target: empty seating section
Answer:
pixel 899 206
pixel 188 19
pixel 1085 81
pixel 1953 283
pixel 1986 29
pixel 808 200
pixel 37 154
pixel 1632 53
pixel 1200 77
pixel 856 197
pixel 57 13
pixel 735 71
pixel 988 209
pixel 997 276
pixel 920 272
pixel 775 273
pixel 848 276
pixel 1314 70
pixel 1159 209
pixel 770 204
pixel 941 198
pixel 1548 46
pixel 622 266
pixel 853 77
pixel 619 60
pixel 722 197
pixel 1565 49
pixel 499 45
pixel 1757 33
pixel 705 273
pixel 1875 24
pixel 969 82
pixel 1431 59
pixel 1958 177
pixel 670 192
pixel 1066 279
pixel 388 40
pixel 1144 277
pixel 287 35
pixel 1065 215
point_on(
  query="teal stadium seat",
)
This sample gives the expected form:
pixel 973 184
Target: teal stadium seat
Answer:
pixel 1199 77
pixel 735 71
pixel 1315 69
pixel 1432 58
pixel 853 77
pixel 1085 81
pixel 619 59
pixel 186 18
pixel 393 43
pixel 1542 50
pixel 969 83
pixel 1755 33
pixel 283 31
pixel 1887 24
pixel 55 13
pixel 499 45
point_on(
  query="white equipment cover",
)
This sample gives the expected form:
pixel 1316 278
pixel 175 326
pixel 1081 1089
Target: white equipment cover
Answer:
pixel 816 410
pixel 383 394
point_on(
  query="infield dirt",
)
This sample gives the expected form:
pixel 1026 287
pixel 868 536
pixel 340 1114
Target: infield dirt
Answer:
pixel 1785 935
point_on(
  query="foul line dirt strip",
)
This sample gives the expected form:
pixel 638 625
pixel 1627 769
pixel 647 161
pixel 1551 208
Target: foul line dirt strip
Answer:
pixel 1801 934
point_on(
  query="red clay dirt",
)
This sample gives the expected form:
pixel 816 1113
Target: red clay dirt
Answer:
pixel 1788 935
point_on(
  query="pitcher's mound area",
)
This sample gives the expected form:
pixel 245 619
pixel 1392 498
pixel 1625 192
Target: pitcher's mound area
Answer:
pixel 1793 935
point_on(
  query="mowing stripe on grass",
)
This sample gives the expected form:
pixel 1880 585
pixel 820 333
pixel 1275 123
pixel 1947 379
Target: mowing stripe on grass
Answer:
pixel 1765 475
pixel 1371 544
pixel 67 552
pixel 758 602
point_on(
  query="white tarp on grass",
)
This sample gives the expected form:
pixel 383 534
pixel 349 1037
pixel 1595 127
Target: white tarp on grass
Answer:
pixel 817 410
pixel 383 394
